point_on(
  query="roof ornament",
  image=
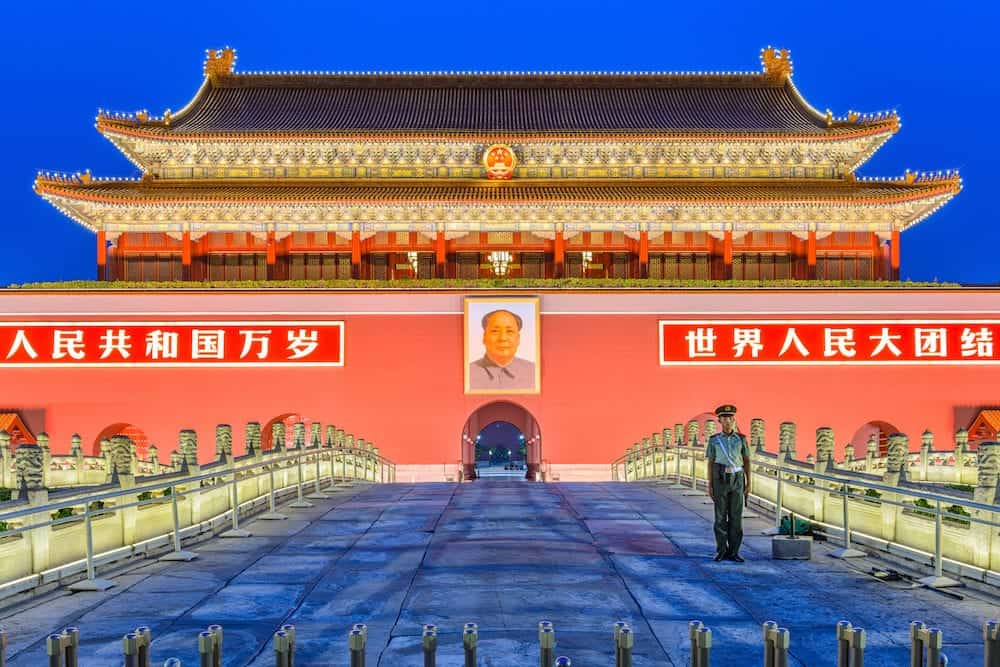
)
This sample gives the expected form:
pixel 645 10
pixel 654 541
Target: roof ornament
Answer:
pixel 220 63
pixel 777 64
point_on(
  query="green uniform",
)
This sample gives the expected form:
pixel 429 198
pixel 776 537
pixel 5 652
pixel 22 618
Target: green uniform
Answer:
pixel 728 482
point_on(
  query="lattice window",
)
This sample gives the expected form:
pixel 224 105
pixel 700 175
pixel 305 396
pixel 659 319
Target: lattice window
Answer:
pixel 402 238
pixel 574 265
pixel 500 238
pixel 597 238
pixel 468 265
pixel 321 238
pixel 701 267
pixel 699 238
pixel 379 263
pixel 532 264
pixel 617 238
pixel 678 238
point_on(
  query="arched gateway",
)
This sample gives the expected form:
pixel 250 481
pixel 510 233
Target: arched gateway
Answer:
pixel 501 411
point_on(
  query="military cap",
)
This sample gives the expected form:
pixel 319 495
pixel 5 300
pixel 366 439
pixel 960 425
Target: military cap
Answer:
pixel 724 410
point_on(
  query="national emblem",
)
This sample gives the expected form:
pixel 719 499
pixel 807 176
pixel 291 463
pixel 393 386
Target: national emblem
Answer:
pixel 499 161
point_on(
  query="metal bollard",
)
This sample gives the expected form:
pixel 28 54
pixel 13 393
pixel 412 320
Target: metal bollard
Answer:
pixel 356 644
pixel 63 648
pixel 704 647
pixel 916 644
pixel 470 639
pixel 617 629
pixel 858 642
pixel 430 642
pixel 563 661
pixel 135 647
pixel 693 628
pixel 769 628
pixel 3 648
pixel 991 644
pixel 626 640
pixel 546 643
pixel 925 640
pixel 844 633
pixel 284 646
pixel 782 642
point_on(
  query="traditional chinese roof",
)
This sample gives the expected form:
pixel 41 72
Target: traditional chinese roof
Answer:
pixel 15 426
pixel 302 191
pixel 447 103
pixel 989 417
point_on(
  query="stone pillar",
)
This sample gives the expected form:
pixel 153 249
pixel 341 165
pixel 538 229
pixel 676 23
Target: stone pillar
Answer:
pixel 122 465
pixel 252 438
pixel 30 483
pixel 339 442
pixel 278 437
pixel 331 436
pixel 154 458
pixel 896 465
pixel 76 451
pixel 926 445
pixel 299 435
pixel 961 451
pixel 42 439
pixel 668 437
pixel 710 429
pixel 786 439
pixel 824 449
pixel 871 453
pixel 756 435
pixel 692 434
pixel 315 435
pixel 223 442
pixel 188 449
pixel 7 480
pixel 848 455
pixel 679 435
pixel 988 469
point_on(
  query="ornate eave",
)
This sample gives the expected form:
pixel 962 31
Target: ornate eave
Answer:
pixel 739 210
pixel 681 156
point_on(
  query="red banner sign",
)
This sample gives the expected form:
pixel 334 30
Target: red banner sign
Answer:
pixel 819 342
pixel 215 343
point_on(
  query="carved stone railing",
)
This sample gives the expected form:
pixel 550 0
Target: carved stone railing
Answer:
pixel 52 534
pixel 941 504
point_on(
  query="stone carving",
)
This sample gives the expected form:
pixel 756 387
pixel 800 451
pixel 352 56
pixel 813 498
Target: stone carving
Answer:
pixel 278 436
pixel 711 428
pixel 188 447
pixel 340 438
pixel 872 447
pixel 848 452
pixel 961 440
pixel 331 435
pixel 315 435
pixel 692 434
pixel 786 439
pixel 4 443
pixel 656 441
pixel 223 441
pixel 253 437
pixel 348 441
pixel 824 445
pixel 899 447
pixel 927 441
pixel 678 435
pixel 121 455
pixel 299 435
pixel 42 440
pixel 28 464
pixel 988 460
pixel 76 446
pixel 153 454
pixel 668 437
pixel 757 434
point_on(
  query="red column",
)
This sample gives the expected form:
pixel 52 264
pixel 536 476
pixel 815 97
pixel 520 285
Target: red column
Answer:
pixel 272 256
pixel 811 256
pixel 876 250
pixel 643 254
pixel 102 255
pixel 356 254
pixel 186 255
pixel 727 255
pixel 440 255
pixel 560 254
pixel 894 256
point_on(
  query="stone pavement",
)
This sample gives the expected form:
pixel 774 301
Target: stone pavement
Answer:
pixel 505 555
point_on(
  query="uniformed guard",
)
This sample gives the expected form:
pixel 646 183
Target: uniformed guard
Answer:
pixel 728 458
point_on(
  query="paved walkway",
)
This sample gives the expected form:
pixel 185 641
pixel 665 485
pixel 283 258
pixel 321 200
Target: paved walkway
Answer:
pixel 505 555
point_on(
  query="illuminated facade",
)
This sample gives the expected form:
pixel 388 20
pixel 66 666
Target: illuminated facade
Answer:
pixel 274 176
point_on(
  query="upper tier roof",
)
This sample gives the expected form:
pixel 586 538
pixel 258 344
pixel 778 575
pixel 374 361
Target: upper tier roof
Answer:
pixel 504 103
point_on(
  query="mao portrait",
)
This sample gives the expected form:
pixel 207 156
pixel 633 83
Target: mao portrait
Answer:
pixel 502 346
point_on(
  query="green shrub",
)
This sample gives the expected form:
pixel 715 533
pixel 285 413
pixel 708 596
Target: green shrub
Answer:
pixel 872 493
pixel 96 505
pixel 4 526
pixel 167 492
pixel 62 513
pixel 4 494
pixel 961 487
pixel 145 495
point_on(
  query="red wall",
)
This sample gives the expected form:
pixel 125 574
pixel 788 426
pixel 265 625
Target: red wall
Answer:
pixel 401 386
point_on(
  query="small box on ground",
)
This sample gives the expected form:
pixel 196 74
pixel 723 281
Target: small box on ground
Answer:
pixel 784 547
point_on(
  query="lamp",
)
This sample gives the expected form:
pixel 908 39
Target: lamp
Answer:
pixel 411 257
pixel 500 261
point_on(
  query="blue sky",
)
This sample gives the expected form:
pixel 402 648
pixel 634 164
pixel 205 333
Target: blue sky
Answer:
pixel 933 62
